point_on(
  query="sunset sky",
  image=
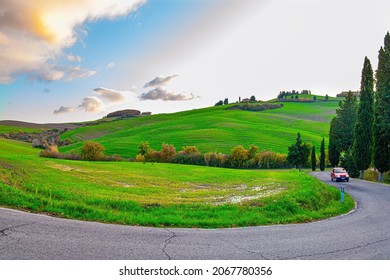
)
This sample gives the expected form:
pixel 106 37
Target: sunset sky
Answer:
pixel 77 60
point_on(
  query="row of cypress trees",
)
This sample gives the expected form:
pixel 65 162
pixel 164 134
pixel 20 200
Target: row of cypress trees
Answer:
pixel 362 131
pixel 322 157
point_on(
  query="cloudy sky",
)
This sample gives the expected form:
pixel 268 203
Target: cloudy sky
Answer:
pixel 76 60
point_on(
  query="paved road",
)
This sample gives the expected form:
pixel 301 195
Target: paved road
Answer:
pixel 362 234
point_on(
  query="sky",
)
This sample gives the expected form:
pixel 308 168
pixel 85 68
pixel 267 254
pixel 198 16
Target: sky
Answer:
pixel 78 60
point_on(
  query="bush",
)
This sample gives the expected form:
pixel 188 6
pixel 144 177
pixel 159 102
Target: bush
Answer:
pixel 269 159
pixel 50 152
pixel 252 152
pixel 189 150
pixel 153 156
pixel 92 151
pixel 193 159
pixel 140 158
pixel 143 148
pixel 371 175
pixel 40 143
pixel 167 152
pixel 216 160
pixel 239 156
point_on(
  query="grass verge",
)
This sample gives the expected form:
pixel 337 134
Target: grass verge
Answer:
pixel 161 194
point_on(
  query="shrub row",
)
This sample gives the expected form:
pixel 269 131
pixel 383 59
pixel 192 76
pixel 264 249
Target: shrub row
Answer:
pixel 91 151
pixel 239 157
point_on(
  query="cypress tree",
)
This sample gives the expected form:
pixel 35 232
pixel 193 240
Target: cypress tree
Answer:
pixel 346 119
pixel 363 128
pixel 322 155
pixel 333 148
pixel 381 128
pixel 342 128
pixel 313 159
pixel 348 162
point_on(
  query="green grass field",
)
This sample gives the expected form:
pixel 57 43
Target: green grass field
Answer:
pixel 161 194
pixel 15 129
pixel 212 129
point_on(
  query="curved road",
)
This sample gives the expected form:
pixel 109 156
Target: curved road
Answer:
pixel 362 234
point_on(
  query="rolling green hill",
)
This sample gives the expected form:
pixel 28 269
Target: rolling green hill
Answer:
pixel 212 129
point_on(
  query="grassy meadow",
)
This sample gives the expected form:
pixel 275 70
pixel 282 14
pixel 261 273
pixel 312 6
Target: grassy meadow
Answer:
pixel 15 129
pixel 213 129
pixel 161 194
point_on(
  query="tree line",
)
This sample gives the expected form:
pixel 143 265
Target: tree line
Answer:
pixel 299 152
pixel 238 158
pixel 359 135
pixel 283 94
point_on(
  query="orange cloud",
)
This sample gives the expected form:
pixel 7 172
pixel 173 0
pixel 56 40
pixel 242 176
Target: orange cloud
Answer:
pixel 40 28
pixel 34 34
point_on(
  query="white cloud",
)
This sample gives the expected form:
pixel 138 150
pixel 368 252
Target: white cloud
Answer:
pixel 160 81
pixel 77 72
pixel 92 104
pixel 34 35
pixel 73 58
pixel 113 96
pixel 47 73
pixel 63 110
pixel 110 65
pixel 161 93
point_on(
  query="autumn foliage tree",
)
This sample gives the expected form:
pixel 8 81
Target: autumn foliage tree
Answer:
pixel 239 156
pixel 168 151
pixel 92 151
pixel 189 150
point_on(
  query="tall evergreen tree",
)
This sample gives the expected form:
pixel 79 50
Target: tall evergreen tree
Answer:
pixel 313 159
pixel 298 153
pixel 342 128
pixel 347 161
pixel 363 128
pixel 381 128
pixel 333 148
pixel 346 119
pixel 322 155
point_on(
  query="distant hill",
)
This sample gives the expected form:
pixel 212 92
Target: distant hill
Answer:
pixel 124 113
pixel 14 126
pixel 212 129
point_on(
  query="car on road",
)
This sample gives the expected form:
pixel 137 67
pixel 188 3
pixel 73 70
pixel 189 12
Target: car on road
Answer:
pixel 339 174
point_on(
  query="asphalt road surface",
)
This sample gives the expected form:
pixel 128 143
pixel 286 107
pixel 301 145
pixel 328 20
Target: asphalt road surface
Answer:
pixel 361 234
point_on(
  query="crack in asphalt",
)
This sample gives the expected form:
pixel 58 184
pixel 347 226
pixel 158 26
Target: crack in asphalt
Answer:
pixel 341 250
pixel 167 241
pixel 3 231
pixel 246 250
pixel 15 240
